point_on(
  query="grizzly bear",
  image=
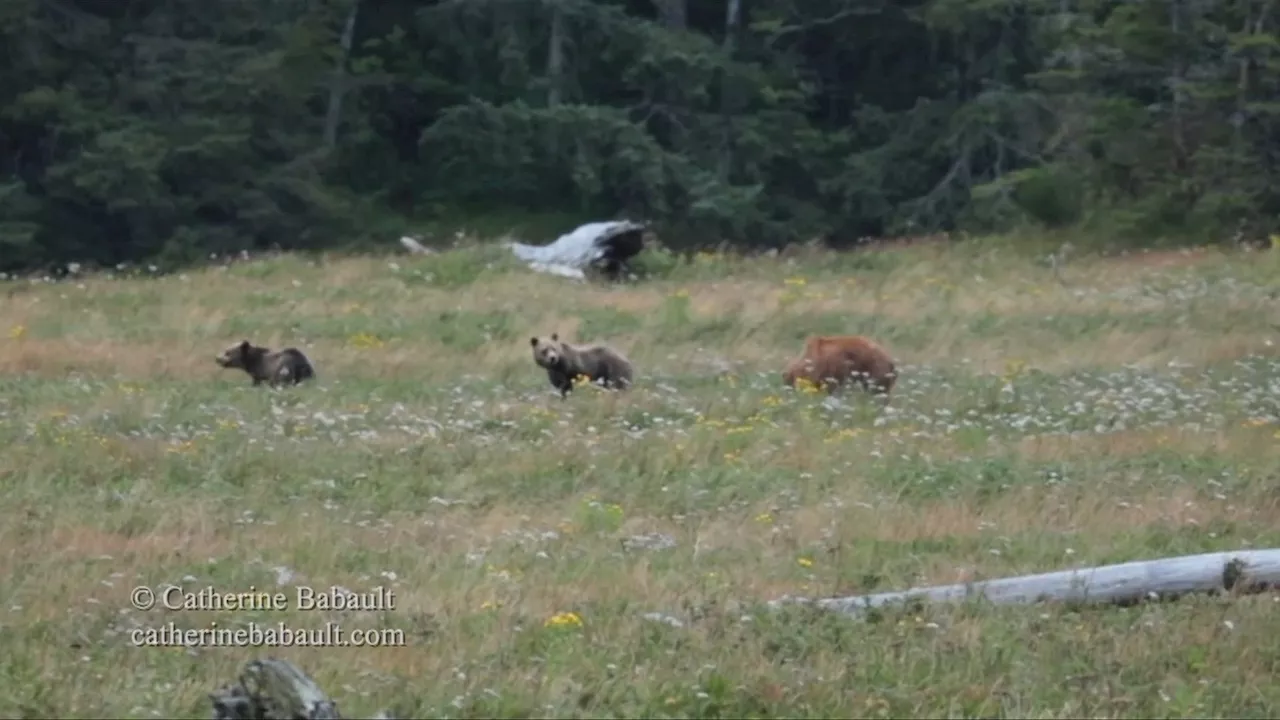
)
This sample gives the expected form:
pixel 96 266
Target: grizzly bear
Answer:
pixel 564 362
pixel 288 366
pixel 831 360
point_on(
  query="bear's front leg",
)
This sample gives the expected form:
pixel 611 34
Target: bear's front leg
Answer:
pixel 560 381
pixel 864 379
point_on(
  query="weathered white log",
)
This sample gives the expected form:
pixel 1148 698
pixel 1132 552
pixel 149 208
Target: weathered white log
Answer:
pixel 561 270
pixel 274 689
pixel 415 247
pixel 609 244
pixel 1244 571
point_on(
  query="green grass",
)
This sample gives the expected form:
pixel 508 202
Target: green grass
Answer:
pixel 609 555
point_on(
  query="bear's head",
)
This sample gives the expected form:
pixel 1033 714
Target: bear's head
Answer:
pixel 801 367
pixel 548 353
pixel 241 355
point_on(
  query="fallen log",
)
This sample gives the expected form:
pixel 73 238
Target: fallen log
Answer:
pixel 1245 571
pixel 608 245
pixel 274 689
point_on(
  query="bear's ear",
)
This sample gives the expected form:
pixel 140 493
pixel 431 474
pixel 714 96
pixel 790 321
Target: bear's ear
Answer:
pixel 533 342
pixel 244 346
pixel 555 337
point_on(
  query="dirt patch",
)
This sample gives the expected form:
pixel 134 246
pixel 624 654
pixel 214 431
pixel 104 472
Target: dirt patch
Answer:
pixel 57 358
pixel 634 301
pixel 749 300
pixel 80 542
pixel 1029 511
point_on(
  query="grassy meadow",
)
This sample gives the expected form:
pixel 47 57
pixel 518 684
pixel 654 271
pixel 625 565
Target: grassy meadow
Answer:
pixel 608 555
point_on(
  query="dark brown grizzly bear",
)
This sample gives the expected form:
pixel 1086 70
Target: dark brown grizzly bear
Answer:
pixel 832 360
pixel 564 362
pixel 286 367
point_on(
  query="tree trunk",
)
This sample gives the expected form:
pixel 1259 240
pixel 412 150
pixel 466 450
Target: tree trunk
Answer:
pixel 733 11
pixel 673 14
pixel 555 56
pixel 338 88
pixel 1179 75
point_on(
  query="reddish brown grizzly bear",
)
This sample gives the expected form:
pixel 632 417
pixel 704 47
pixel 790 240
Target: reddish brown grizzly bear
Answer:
pixel 832 360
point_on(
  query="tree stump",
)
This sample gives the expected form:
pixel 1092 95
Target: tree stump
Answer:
pixel 273 689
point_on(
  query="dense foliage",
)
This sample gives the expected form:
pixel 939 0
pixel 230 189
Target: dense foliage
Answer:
pixel 170 129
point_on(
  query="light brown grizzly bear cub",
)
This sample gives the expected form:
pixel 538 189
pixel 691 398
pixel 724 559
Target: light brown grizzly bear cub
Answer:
pixel 286 367
pixel 564 362
pixel 832 360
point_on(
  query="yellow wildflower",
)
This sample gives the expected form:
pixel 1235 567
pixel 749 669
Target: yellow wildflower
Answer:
pixel 843 434
pixel 366 341
pixel 807 386
pixel 570 619
pixel 1012 369
pixel 182 447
